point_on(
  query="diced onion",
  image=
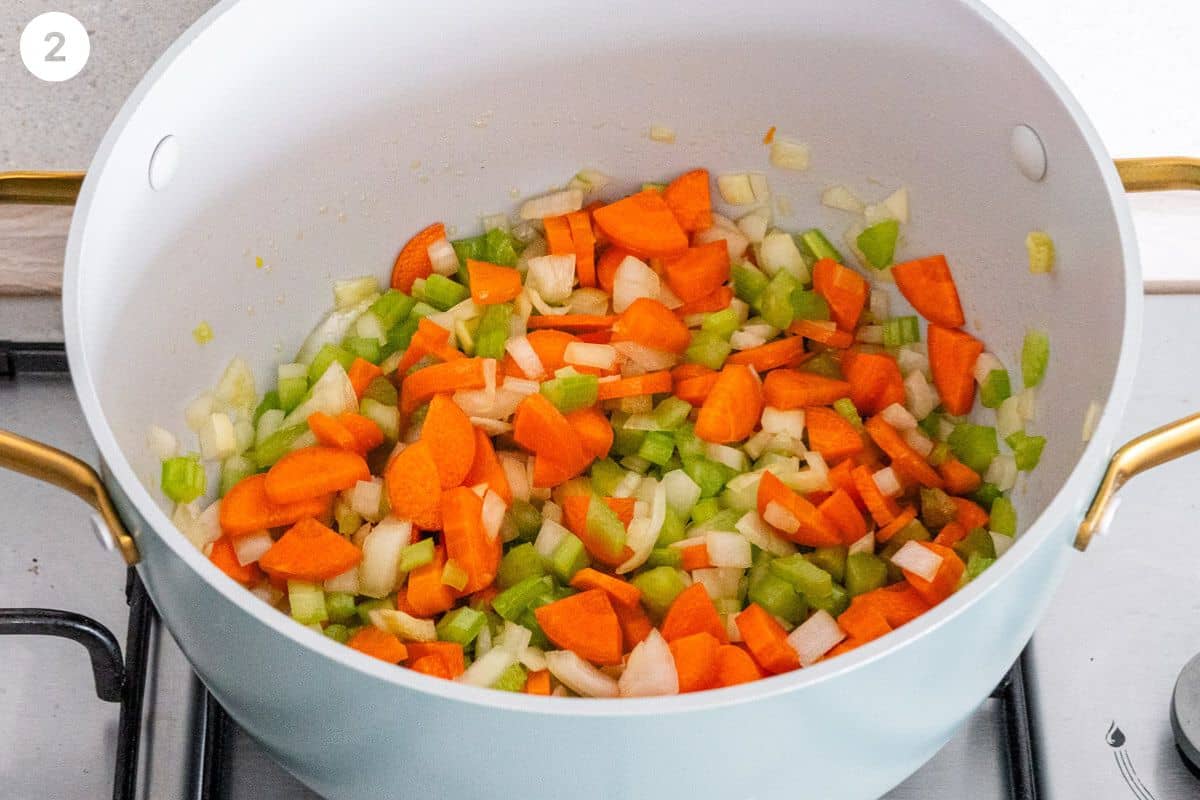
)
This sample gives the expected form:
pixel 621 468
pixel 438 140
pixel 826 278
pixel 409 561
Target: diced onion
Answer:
pixel 662 133
pixel 516 474
pixel 755 529
pixel 379 570
pixel 696 539
pixel 1001 542
pixel 724 454
pixel 865 544
pixel 778 251
pixel 217 439
pixel 552 205
pixel 442 256
pixel 588 301
pixel 632 280
pixel 760 329
pixel 270 421
pixel 343 582
pixel 483 642
pixel 1027 403
pixel 743 340
pixel 640 539
pixel 552 511
pixel 332 329
pixel 789 154
pixel 668 298
pixel 486 670
pixel 919 442
pixel 526 357
pixel 755 224
pixel 790 422
pixel 887 482
pixel 921 397
pixel 549 537
pixel 778 516
pixel 1002 472
pixel 919 560
pixel 535 249
pixel 816 463
pixel 348 293
pixel 1008 417
pixel 250 548
pixel 880 306
pixel 585 354
pixel 493 514
pixel 162 443
pixel 682 493
pixel 985 365
pixel 650 669
pixel 910 359
pixel 551 277
pixel 578 675
pixel 815 637
pixel 719 581
pixel 806 480
pixel 514 638
pixel 728 549
pixel 841 198
pixel 492 427
pixel 724 229
pixel 333 393
pixel 197 412
pixel 628 485
pixel 647 358
pixel 520 386
pixel 899 417
pixel 475 402
pixel 1091 419
pixel 533 658
pixel 735 189
pixel 404 625
pixel 365 498
pixel 756 445
pixel 236 387
pixel 897 204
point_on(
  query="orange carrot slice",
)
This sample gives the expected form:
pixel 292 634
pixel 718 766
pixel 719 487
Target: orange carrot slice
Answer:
pixel 366 431
pixel 361 373
pixel 952 356
pixel 698 271
pixel 904 458
pixel 650 383
pixel 451 438
pixel 959 478
pixel 330 432
pixel 830 434
pixel 883 509
pixel 643 225
pixel 426 595
pixel 840 509
pixel 696 662
pixel 696 390
pixel 448 377
pixel 413 261
pixel 621 592
pixel 486 468
pixel 585 624
pixel 538 682
pixel 968 514
pixel 225 557
pixel 606 266
pixel 929 286
pixel 449 653
pixel 558 236
pixel 770 355
pixel 716 300
pixel 651 324
pixel 843 289
pixel 379 644
pixel 593 429
pixel 814 529
pixel 575 322
pixel 945 581
pixel 492 283
pixel 246 508
pixel 309 551
pixel 897 524
pixel 693 612
pixel 875 381
pixel 584 242
pixel 314 472
pixel 766 640
pixel 690 201
pixel 413 487
pixel 733 407
pixel 635 624
pixel 788 389
pixel 735 666
pixel 465 539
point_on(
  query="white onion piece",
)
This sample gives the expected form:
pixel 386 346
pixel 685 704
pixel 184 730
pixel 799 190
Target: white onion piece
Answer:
pixel 985 365
pixel 1002 472
pixel 910 360
pixel 343 582
pixel 789 154
pixel 682 493
pixel 697 538
pixel 719 581
pixel 549 536
pixel 475 402
pixel 250 548
pixel 640 539
pixel 551 277
pixel 880 305
pixel 755 529
pixel 632 280
pixel 520 386
pixel 728 549
pixel 919 442
pixel 723 229
pixel 332 393
pixel 668 298
pixel 1008 417
pixel 483 642
pixel 270 421
pixel 735 189
pixel 1001 542
pixel 492 514
pixel 442 257
pixel 650 669
pixel 585 354
pixel 534 249
pixel 552 511
pixel 778 251
pixel 724 454
pixel 647 358
pixel 777 516
pixel 516 473
pixel 898 417
pixel 162 443
pixel 628 485
pixel 841 198
pixel 514 638
pixel 865 544
pixel 744 340
pixel 404 625
pixel 236 388
pixel 490 426
pixel 588 301
pixel 897 204
pixel 379 570
pixel 243 434
pixel 920 396
pixel 347 293
pixel 526 357
pixel 217 438
pixel 777 420
pixel 579 676
pixel 919 560
pixel 554 204
pixel 731 628
pixel 533 658
pixel 815 637
pixel 755 224
pixel 757 444
pixel 1027 403
pixel 887 482
pixel 869 334
pixel 487 670
pixel 365 498
pixel 332 329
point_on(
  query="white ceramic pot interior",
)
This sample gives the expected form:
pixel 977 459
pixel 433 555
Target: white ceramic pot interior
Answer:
pixel 319 137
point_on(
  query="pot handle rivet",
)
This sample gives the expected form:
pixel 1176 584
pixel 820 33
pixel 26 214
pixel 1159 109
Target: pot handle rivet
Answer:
pixel 1028 152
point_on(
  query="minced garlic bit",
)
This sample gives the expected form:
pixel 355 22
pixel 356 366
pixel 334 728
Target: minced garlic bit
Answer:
pixel 661 133
pixel 203 333
pixel 1041 252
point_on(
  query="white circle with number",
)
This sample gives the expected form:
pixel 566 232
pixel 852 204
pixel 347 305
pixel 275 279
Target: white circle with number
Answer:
pixel 55 46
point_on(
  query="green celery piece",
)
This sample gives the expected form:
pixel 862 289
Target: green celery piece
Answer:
pixel 845 407
pixel 830 559
pixel 807 304
pixel 392 307
pixel 1035 355
pixel 382 391
pixel 864 572
pixel 636 463
pixel 937 508
pixel 307 601
pixel 985 495
pixel 1003 517
pixel 326 356
pixel 422 309
pixel 823 364
pixel 805 577
pixel 977 541
pixel 878 243
pixel 929 426
pixel 665 557
pixel 275 446
pixel 748 283
pixel 365 608
pixel 657 447
pixel 385 416
pixel 233 470
pixel 899 331
pixel 291 392
pixel 513 601
pixel 627 442
pixel 605 529
pixel 417 554
pixel 493 330
pixel 183 478
pixel 779 597
pixel 724 520
pixel 461 625
pixel 500 248
pixel 464 331
pixel 269 401
pixel 671 412
pixel 660 586
pixel 401 334
pixel 709 475
pixel 528 619
pixel 976 564
pixel 569 557
pixel 365 348
pixel 512 679
pixel 474 248
pixel 995 389
pixel 723 323
pixel 653 187
pixel 340 606
pixel 519 563
pixel 1027 450
pixel 671 531
pixel 814 245
pixel 836 603
pixel 443 293
pixel 939 454
pixel 775 304
pixel 339 633
pixel 346 518
pixel 606 475
pixel 572 392
pixel 705 510
pixel 687 442
pixel 708 348
pixel 974 445
pixel 527 519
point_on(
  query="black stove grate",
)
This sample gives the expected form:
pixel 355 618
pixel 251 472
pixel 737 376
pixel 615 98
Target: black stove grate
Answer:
pixel 123 679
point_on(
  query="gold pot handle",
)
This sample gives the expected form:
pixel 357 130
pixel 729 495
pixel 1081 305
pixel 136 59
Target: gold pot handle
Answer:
pixel 40 188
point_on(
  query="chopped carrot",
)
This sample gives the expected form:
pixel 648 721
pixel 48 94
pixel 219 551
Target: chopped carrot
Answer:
pixel 451 438
pixel 246 508
pixel 767 640
pixel 929 286
pixel 538 682
pixel 789 388
pixel 716 300
pixel 429 339
pixel 840 477
pixel 897 524
pixel 904 458
pixel 899 603
pixel 540 427
pixel 643 224
pixel 330 432
pixel 693 612
pixel 875 381
pixel 413 488
pixel 840 509
pixel 863 621
pixel 593 429
pixel 225 557
pixel 945 581
pixel 771 355
pixel 465 539
pixel 650 383
pixel 690 201
pixel 552 469
pixel 623 507
pixel 550 345
pixel 968 514
pixel 651 324
pixel 426 594
pixel 814 529
pixel 698 271
pixel 449 653
pixel 379 644
pixel 696 661
pixel 314 472
pixel 575 322
pixel 584 242
pixel 951 534
pixel 575 511
pixel 769 136
pixel 361 373
pixel 830 434
pixel 959 478
pixel 366 431
pixel 696 390
pixel 735 666
pixel 883 509
pixel 448 377
pixel 585 624
pixel 952 356
pixel 413 261
pixel 309 551
pixel 432 666
pixel 486 468
pixel 635 624
pixel 688 370
pixel 492 283
pixel 558 236
pixel 845 646
pixel 694 556
pixel 733 406
pixel 826 334
pixel 843 289
pixel 606 266
pixel 620 591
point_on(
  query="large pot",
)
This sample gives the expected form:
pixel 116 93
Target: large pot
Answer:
pixel 298 129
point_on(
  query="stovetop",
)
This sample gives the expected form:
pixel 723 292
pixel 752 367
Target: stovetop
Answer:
pixel 1099 672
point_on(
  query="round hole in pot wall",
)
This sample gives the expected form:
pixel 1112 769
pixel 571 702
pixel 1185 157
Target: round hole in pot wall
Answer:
pixel 163 162
pixel 1029 152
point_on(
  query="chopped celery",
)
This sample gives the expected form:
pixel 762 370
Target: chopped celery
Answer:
pixel 1027 450
pixel 929 426
pixel 340 606
pixel 269 401
pixel 273 448
pixel 671 412
pixel 627 442
pixel 665 557
pixel 778 596
pixel 995 389
pixel 605 530
pixel 748 283
pixel 837 601
pixel 183 478
pixel 705 510
pixel 986 494
pixel 937 508
pixel 500 248
pixel 307 601
pixel 878 243
pixel 805 577
pixel 381 390
pixel 513 601
pixel 845 407
pixel 422 309
pixel 807 304
pixel 687 443
pixel 417 554
pixel 443 293
pixel 233 469
pixel 606 476
pixel 365 348
pixel 775 304
pixel 939 454
pixel 392 307
pixel 493 329
pixel 636 463
pixel 974 445
pixel 527 519
pixel 339 633
pixel 708 348
pixel 660 586
pixel 657 447
pixel 461 625
pixel 1003 518
pixel 825 364
pixel 401 334
pixel 464 333
pixel 723 323
pixel 977 541
pixel 653 187
pixel 830 559
pixel 569 557
pixel 572 392
pixel 346 518
pixel 291 391
pixel 976 564
pixel 519 563
pixel 324 357
pixel 815 246
pixel 527 619
pixel 1035 354
pixel 474 248
pixel 864 572
pixel 387 417
pixel 365 608
pixel 899 331
pixel 724 520
pixel 512 679
pixel 710 476
pixel 671 531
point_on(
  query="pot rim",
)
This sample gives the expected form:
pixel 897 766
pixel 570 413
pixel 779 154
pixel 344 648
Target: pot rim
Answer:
pixel 1067 506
